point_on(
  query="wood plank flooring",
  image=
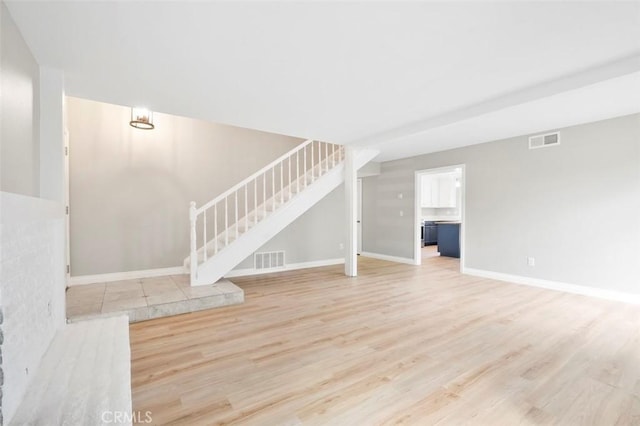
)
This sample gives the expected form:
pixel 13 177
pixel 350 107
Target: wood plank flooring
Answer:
pixel 397 345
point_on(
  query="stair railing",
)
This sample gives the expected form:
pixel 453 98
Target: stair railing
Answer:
pixel 248 202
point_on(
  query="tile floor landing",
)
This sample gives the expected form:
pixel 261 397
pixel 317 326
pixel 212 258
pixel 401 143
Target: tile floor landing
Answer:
pixel 148 298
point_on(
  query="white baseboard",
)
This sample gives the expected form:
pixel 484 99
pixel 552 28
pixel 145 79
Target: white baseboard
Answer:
pixel 406 260
pixel 289 267
pixel 130 275
pixel 600 293
pixel 179 270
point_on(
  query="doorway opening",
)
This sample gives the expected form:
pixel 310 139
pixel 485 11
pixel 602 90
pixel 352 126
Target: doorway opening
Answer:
pixel 439 213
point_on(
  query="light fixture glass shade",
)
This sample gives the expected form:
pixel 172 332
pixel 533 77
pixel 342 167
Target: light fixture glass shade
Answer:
pixel 141 118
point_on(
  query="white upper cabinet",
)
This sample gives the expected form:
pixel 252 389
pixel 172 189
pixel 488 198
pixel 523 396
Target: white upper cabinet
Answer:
pixel 429 191
pixel 447 191
pixel 439 191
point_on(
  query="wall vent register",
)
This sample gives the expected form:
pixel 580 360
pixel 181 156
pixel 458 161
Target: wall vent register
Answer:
pixel 269 260
pixel 543 141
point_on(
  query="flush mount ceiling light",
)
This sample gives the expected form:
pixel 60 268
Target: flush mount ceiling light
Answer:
pixel 141 118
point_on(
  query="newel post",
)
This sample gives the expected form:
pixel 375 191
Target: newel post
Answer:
pixel 194 249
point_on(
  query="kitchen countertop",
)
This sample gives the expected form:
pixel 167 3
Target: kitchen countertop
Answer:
pixel 440 218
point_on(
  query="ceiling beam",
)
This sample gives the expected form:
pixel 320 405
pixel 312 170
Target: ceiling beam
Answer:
pixel 618 68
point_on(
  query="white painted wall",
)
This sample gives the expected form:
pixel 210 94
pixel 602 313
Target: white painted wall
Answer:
pixel 573 207
pixel 19 111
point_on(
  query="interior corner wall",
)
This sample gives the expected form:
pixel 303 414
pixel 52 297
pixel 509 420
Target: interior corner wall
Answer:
pixel 19 150
pixel 573 207
pixel 130 189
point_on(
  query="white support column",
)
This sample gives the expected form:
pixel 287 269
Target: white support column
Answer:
pixel 351 192
pixel 54 175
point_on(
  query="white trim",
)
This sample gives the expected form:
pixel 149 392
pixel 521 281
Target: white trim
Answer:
pixel 396 259
pixel 129 275
pixel 290 267
pixel 359 216
pixel 67 191
pixel 600 293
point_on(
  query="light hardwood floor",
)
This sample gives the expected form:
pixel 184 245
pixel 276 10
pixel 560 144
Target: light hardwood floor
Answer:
pixel 397 345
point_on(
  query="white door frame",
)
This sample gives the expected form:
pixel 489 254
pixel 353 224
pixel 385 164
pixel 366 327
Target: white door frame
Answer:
pixel 67 209
pixel 359 216
pixel 67 191
pixel 417 252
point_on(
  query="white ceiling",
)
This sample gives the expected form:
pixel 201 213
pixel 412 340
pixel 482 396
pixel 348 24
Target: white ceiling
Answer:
pixel 408 78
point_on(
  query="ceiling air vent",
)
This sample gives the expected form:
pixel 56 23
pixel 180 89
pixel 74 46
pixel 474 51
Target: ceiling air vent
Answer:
pixel 543 141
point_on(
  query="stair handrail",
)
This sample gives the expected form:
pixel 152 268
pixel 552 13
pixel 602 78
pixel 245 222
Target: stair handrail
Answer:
pixel 257 174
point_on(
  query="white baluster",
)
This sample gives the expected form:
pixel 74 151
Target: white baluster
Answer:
pixel 204 233
pixel 237 223
pixel 313 164
pixel 246 208
pixel 282 182
pixel 298 171
pixel 273 189
pixel 264 193
pixel 305 166
pixel 226 221
pixel 215 229
pixel 290 182
pixel 333 155
pixel 194 250
pixel 255 201
pixel 326 154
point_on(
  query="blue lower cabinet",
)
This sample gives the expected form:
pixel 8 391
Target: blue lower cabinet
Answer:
pixel 449 239
pixel 429 234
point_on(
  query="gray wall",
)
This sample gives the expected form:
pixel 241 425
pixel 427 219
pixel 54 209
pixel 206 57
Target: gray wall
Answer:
pixel 314 236
pixel 19 112
pixel 574 207
pixel 130 189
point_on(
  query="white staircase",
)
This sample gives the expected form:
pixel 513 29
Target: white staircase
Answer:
pixel 227 229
